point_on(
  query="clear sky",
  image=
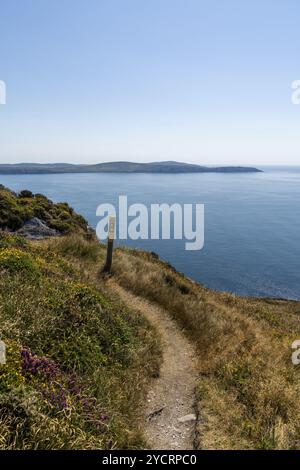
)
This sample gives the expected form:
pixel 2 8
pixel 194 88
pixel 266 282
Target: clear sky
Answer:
pixel 205 81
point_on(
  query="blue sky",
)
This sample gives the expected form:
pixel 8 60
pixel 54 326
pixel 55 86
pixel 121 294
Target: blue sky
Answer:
pixel 192 80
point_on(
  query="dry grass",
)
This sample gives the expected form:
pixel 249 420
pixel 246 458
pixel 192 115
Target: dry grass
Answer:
pixel 248 393
pixel 78 360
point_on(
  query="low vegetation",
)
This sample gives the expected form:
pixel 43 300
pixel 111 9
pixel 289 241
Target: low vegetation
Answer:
pixel 18 208
pixel 248 393
pixel 78 360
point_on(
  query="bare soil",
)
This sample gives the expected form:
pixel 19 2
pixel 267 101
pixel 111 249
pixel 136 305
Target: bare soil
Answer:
pixel 172 394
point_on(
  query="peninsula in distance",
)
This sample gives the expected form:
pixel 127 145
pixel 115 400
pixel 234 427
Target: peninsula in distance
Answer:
pixel 119 167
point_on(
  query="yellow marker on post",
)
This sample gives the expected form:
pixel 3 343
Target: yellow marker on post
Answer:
pixel 110 244
pixel 111 228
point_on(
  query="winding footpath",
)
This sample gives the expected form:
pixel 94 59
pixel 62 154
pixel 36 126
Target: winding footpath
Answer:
pixel 169 415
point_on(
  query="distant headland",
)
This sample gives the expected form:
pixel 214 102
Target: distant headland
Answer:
pixel 119 167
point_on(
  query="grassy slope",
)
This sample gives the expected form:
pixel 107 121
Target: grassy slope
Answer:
pixel 248 393
pixel 15 209
pixel 56 304
pixel 78 360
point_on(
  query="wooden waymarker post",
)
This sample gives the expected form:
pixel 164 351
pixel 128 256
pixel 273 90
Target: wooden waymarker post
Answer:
pixel 110 244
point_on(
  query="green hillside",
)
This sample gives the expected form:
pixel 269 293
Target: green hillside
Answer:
pixel 78 360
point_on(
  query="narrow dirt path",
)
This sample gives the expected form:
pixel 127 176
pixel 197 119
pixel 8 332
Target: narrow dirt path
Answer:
pixel 169 412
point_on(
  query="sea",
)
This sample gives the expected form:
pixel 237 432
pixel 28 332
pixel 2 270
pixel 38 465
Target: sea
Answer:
pixel 251 222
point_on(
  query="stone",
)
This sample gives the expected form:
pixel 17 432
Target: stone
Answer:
pixel 187 418
pixel 36 229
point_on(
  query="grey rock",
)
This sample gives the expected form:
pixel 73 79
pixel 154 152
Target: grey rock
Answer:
pixel 36 229
pixel 187 418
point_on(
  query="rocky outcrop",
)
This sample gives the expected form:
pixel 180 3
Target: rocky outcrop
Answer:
pixel 36 229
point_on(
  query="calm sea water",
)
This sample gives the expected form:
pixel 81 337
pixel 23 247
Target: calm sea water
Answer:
pixel 252 222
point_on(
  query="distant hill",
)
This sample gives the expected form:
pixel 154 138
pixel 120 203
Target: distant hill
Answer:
pixel 119 167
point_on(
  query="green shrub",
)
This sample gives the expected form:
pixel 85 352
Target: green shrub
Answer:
pixel 78 247
pixel 77 360
pixel 25 194
pixel 15 260
pixel 8 240
pixel 15 210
